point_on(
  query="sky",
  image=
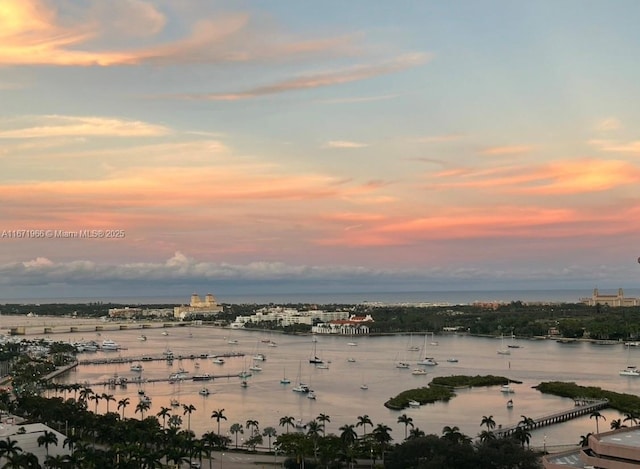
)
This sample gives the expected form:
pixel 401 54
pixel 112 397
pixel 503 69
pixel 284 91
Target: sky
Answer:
pixel 241 146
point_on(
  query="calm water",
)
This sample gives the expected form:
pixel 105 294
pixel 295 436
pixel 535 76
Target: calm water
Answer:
pixel 338 388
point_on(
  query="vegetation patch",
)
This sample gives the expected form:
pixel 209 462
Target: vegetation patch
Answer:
pixel 625 403
pixel 463 381
pixel 422 395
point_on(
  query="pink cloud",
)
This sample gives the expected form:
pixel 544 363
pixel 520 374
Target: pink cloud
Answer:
pixel 507 150
pixel 358 73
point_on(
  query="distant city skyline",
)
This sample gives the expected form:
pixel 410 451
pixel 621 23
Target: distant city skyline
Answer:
pixel 326 147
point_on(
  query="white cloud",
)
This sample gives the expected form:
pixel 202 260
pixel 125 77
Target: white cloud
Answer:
pixel 65 126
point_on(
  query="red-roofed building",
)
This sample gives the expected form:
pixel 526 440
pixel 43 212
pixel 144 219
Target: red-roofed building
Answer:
pixel 355 325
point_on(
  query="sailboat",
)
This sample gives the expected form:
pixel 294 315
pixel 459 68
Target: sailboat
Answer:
pixel 314 357
pixel 284 379
pixel 364 386
pixel 427 361
pixel 433 341
pixel 411 347
pixel 630 370
pixel 300 387
pixel 503 350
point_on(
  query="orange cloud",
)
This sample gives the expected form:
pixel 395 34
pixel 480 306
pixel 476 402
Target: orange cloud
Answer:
pixel 32 32
pixel 560 177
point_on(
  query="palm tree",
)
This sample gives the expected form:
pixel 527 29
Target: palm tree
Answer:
pixel 163 414
pixel 323 419
pixel 97 398
pixel 364 420
pixel 175 421
pixel 630 417
pixel 235 429
pixel 522 435
pixel 348 435
pixel 46 439
pixel 108 398
pixel 269 432
pixel 526 421
pixel 287 421
pixel 123 403
pixel 9 447
pixel 488 422
pixel 597 415
pixel 142 407
pixel 187 409
pixel 584 440
pixel 408 421
pixel 486 435
pixel 85 394
pixel 381 434
pixel 218 415
pixel 454 434
pixel 416 433
pixel 253 424
pixel 616 424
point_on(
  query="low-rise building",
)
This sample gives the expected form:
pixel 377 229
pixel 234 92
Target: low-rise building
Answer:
pixel 354 325
pixel 617 449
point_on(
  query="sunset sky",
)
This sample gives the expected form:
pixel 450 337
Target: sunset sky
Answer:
pixel 327 146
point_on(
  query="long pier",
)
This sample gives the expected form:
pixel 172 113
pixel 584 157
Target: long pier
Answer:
pixel 583 406
pixel 148 358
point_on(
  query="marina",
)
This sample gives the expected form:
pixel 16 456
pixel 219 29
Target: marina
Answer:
pixel 338 390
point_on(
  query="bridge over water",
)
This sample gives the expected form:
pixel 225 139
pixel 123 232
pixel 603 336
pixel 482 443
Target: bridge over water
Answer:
pixel 583 406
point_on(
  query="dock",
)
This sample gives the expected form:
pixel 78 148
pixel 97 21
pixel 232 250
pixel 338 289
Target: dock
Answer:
pixel 583 406
pixel 147 358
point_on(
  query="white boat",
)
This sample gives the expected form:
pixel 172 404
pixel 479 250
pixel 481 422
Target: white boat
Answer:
pixel 284 379
pixel 301 388
pixel 196 365
pixel 452 360
pixel 414 404
pixel 260 357
pixel 351 360
pixel 244 384
pixel 165 333
pixel 255 367
pixel 145 399
pixel 232 342
pixel 178 375
pixel 352 344
pixel 142 337
pixel 108 344
pixel 509 404
pixel 428 361
pixel 311 395
pixel 418 371
pixel 631 370
pixel 218 361
pixel 506 389
pixel 204 392
pixel 175 402
pixel 299 425
pixel 403 365
pixel 136 367
pixel 364 386
pixel 322 366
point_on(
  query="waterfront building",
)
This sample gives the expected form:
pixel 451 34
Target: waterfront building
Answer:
pixel 198 307
pixel 616 300
pixel 288 316
pixel 617 449
pixel 129 313
pixel 355 325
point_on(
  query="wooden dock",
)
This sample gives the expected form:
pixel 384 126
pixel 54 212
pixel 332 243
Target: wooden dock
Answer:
pixel 582 406
pixel 147 358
